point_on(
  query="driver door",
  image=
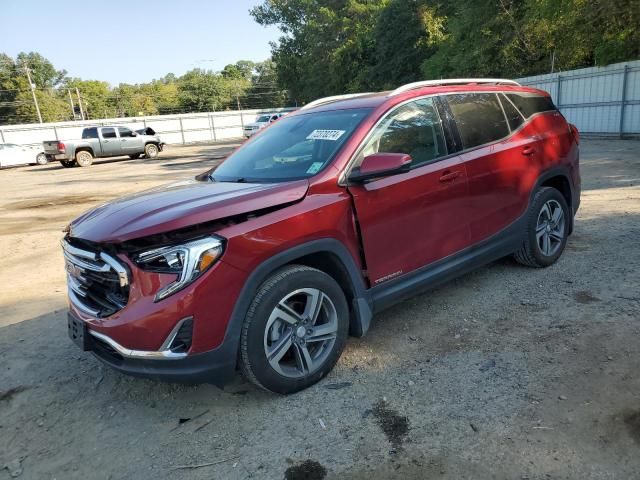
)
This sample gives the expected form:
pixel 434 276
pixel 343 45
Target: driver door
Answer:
pixel 129 142
pixel 412 219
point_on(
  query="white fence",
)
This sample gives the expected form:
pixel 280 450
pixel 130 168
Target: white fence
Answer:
pixel 598 100
pixel 174 129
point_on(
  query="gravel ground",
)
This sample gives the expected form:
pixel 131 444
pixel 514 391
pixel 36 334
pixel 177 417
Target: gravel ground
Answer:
pixel 507 372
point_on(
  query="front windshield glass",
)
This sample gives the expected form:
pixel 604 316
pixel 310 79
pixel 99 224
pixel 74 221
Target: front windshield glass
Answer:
pixel 262 119
pixel 293 148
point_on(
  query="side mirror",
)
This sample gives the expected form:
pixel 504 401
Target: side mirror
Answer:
pixel 381 165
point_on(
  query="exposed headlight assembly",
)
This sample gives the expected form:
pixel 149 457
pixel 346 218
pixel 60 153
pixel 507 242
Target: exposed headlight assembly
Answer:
pixel 188 261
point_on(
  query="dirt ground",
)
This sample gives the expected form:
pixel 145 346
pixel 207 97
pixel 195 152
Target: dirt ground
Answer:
pixel 507 372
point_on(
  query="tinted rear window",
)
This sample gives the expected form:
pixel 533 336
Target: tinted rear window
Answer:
pixel 531 103
pixel 479 118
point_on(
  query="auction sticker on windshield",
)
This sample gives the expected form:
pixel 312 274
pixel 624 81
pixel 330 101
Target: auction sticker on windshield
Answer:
pixel 332 135
pixel 314 168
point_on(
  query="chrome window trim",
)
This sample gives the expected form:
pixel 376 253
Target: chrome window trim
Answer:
pixel 138 354
pixel 342 180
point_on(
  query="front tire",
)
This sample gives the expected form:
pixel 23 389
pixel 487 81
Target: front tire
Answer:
pixel 548 225
pixel 151 150
pixel 41 159
pixel 294 331
pixel 84 158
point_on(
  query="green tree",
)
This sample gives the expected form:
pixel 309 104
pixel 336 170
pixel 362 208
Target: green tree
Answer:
pixel 97 98
pixel 326 46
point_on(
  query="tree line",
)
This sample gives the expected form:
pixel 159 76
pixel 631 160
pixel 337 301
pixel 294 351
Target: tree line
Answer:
pixel 245 84
pixel 336 46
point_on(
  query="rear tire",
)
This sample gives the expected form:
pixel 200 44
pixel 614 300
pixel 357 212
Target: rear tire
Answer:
pixel 41 159
pixel 294 331
pixel 68 163
pixel 84 158
pixel 151 150
pixel 548 225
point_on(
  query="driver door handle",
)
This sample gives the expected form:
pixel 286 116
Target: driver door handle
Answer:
pixel 448 176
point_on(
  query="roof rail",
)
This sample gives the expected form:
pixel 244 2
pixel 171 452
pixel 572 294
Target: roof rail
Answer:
pixel 335 98
pixel 452 81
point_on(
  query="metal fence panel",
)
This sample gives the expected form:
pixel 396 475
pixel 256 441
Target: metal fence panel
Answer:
pixel 598 100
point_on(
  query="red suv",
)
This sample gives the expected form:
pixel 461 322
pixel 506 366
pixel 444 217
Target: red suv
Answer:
pixel 269 261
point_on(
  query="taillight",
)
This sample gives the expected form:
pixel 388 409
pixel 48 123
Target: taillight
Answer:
pixel 61 147
pixel 574 132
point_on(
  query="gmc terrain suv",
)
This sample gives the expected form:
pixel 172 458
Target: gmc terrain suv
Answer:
pixel 269 261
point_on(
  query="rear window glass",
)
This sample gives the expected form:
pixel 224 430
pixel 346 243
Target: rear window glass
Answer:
pixel 479 118
pixel 90 133
pixel 531 103
pixel 514 117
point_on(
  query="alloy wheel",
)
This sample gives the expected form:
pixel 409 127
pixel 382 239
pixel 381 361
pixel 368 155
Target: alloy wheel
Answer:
pixel 300 333
pixel 550 228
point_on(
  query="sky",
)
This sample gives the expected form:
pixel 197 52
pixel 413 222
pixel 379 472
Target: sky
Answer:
pixel 134 41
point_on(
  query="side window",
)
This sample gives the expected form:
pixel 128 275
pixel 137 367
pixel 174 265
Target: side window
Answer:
pixel 108 132
pixel 124 132
pixel 531 103
pixel 414 128
pixel 479 118
pixel 90 133
pixel 514 117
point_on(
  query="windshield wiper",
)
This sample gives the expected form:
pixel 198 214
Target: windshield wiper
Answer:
pixel 230 180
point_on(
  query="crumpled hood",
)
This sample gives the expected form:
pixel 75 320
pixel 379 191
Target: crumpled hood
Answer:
pixel 178 205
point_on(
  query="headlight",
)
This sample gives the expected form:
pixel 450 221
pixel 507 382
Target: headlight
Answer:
pixel 188 261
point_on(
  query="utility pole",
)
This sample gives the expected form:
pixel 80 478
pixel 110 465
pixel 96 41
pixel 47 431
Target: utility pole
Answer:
pixel 73 108
pixel 33 92
pixel 80 103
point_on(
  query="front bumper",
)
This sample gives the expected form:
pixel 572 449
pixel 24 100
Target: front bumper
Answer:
pixel 216 366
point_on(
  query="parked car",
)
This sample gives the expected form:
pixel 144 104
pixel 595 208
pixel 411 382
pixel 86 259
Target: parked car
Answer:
pixel 102 142
pixel 317 223
pixel 262 121
pixel 12 154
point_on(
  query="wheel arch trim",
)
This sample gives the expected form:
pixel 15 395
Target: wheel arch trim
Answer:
pixel 361 304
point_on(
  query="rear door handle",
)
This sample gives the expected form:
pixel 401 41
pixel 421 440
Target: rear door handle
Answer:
pixel 449 176
pixel 528 151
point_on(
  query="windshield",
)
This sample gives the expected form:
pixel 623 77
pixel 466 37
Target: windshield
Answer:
pixel 293 148
pixel 262 119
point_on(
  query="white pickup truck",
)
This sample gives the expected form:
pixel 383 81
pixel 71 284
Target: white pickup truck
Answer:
pixel 101 142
